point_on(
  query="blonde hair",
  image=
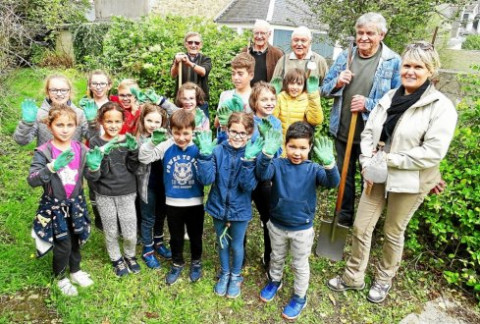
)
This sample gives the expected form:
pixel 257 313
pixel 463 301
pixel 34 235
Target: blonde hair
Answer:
pixel 127 84
pixel 97 72
pixel 257 90
pixel 424 52
pixel 60 77
pixel 57 110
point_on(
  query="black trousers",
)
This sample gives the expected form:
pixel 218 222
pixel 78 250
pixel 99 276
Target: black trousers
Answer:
pixel 192 217
pixel 347 212
pixel 66 253
pixel 261 198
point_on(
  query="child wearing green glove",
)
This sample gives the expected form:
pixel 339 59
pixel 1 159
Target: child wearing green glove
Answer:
pixel 62 221
pixel 116 187
pixel 229 168
pixel 292 205
pixel 190 97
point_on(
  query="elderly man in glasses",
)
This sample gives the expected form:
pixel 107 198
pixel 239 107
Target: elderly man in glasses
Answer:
pixel 374 70
pixel 265 54
pixel 195 66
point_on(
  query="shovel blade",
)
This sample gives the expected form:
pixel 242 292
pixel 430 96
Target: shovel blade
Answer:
pixel 331 240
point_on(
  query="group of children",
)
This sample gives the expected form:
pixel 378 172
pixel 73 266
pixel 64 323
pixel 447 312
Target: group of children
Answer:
pixel 142 144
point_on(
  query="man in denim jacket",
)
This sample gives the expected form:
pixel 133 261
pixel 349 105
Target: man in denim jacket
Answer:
pixel 374 70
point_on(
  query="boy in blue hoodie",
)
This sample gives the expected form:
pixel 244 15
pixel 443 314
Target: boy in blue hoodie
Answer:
pixel 292 205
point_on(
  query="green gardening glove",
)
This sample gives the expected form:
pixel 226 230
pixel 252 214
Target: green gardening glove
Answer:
pixel 130 142
pixel 199 116
pixel 223 115
pixel 94 159
pixel 264 126
pixel 139 95
pixel 153 97
pixel 204 142
pixel 90 110
pixel 312 84
pixel 252 149
pixel 63 160
pixel 29 111
pixel 323 148
pixel 277 83
pixel 112 144
pixel 159 135
pixel 273 141
pixel 234 104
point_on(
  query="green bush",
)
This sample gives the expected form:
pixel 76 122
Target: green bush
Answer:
pixel 144 50
pixel 449 224
pixel 88 41
pixel 472 43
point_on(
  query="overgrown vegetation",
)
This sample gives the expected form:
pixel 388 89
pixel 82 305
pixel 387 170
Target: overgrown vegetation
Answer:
pixel 88 41
pixel 472 42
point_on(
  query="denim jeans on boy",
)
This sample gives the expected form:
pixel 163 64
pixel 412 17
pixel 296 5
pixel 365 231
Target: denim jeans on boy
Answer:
pixel 236 231
pixel 153 215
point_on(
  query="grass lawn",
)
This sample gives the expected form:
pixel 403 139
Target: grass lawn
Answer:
pixel 28 293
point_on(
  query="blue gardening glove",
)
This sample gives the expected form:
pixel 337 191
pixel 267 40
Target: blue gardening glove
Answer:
pixel 130 143
pixel 153 97
pixel 29 111
pixel 312 84
pixel 252 149
pixel 277 84
pixel 90 109
pixel 273 141
pixel 139 95
pixel 94 159
pixel 199 116
pixel 159 135
pixel 63 160
pixel 323 148
pixel 264 126
pixel 204 142
pixel 107 148
pixel 223 115
pixel 234 104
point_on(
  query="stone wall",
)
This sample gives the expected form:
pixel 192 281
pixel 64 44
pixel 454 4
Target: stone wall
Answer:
pixel 126 8
pixel 449 85
pixel 206 8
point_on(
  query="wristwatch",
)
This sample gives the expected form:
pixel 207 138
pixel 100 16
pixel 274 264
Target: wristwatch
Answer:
pixel 194 65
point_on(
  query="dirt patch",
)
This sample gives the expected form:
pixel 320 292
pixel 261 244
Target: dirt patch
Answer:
pixel 28 306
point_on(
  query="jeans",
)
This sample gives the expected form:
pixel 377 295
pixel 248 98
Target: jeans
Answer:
pixel 153 216
pixel 236 231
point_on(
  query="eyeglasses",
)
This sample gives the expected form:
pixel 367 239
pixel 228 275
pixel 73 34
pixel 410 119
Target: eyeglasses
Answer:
pixel 426 46
pixel 233 133
pixel 59 91
pixel 99 84
pixel 193 42
pixel 125 96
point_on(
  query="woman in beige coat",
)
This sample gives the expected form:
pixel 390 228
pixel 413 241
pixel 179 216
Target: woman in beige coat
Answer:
pixel 416 123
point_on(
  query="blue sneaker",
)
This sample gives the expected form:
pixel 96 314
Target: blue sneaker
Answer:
pixel 195 271
pixel 132 265
pixel 234 286
pixel 120 268
pixel 163 251
pixel 222 284
pixel 173 275
pixel 294 307
pixel 270 290
pixel 148 255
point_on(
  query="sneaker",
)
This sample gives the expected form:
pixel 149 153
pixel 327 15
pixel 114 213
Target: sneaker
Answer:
pixel 270 290
pixel 67 288
pixel 378 292
pixel 222 284
pixel 163 251
pixel 81 278
pixel 294 307
pixel 132 265
pixel 173 275
pixel 234 286
pixel 195 271
pixel 120 268
pixel 148 255
pixel 337 284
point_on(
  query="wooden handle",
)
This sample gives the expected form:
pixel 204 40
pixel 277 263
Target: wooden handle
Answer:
pixel 180 74
pixel 368 189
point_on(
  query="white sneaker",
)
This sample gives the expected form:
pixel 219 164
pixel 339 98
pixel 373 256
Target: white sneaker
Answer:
pixel 67 288
pixel 81 278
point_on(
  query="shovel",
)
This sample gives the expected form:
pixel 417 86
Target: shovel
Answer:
pixel 180 74
pixel 332 236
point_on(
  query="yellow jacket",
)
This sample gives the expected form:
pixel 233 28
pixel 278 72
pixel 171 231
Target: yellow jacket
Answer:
pixel 305 107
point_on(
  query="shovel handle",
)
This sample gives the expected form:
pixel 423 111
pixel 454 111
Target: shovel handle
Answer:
pixel 180 74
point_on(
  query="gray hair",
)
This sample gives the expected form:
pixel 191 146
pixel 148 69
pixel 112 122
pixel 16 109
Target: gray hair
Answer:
pixel 191 34
pixel 259 23
pixel 375 18
pixel 423 52
pixel 302 30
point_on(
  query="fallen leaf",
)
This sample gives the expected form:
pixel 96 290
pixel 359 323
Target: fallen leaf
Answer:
pixel 332 299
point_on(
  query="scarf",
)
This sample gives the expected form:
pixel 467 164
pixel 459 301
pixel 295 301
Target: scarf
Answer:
pixel 400 103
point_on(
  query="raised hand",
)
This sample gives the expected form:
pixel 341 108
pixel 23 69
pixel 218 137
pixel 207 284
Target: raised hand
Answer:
pixel 158 136
pixel 277 84
pixel 252 149
pixel 139 95
pixel 204 142
pixel 83 101
pixel 223 115
pixel 29 111
pixel 199 116
pixel 63 160
pixel 273 141
pixel 264 126
pixel 94 159
pixel 130 143
pixel 323 148
pixel 234 104
pixel 312 84
pixel 112 144
pixel 90 109
pixel 153 96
